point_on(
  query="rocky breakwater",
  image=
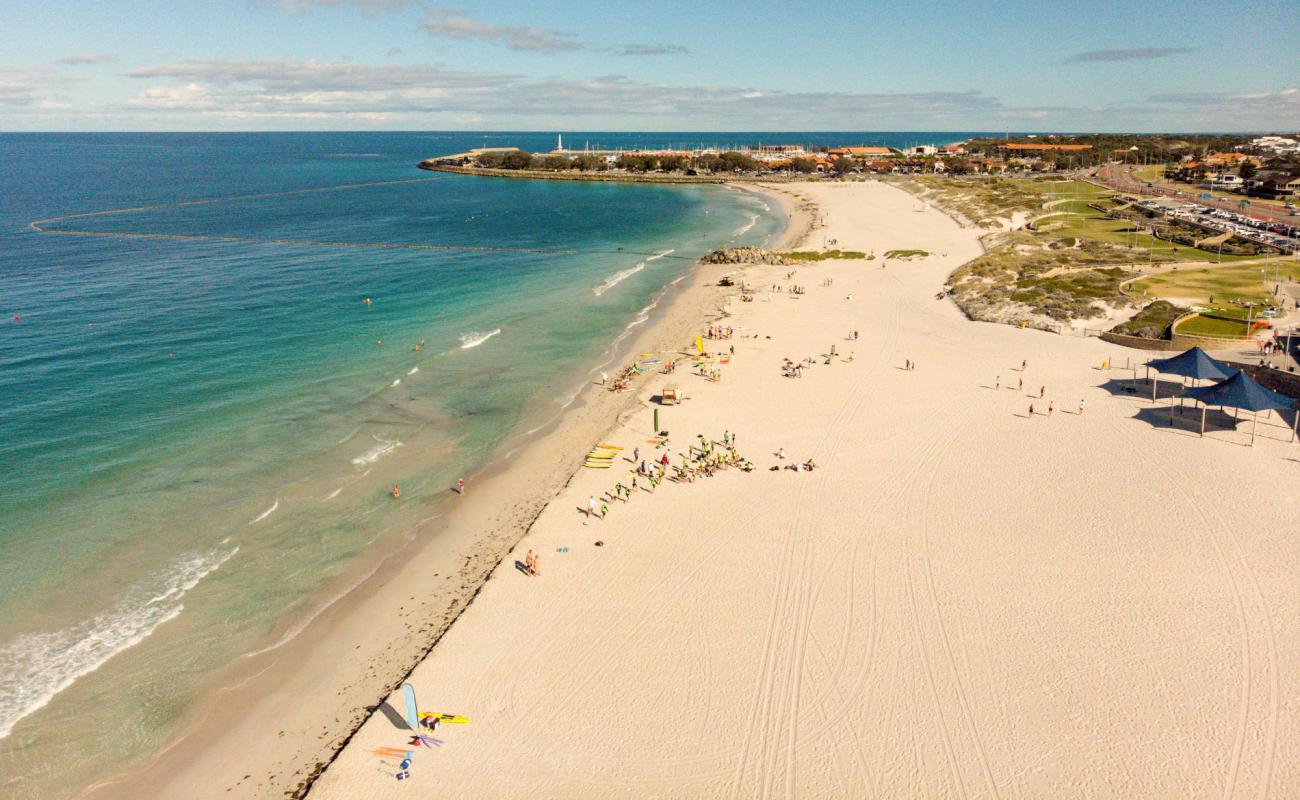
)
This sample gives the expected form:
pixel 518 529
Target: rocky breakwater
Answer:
pixel 744 255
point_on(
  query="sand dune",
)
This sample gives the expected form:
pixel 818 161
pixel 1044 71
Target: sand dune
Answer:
pixel 962 601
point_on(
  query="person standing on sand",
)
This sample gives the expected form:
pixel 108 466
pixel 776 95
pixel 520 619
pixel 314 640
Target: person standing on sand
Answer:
pixel 604 509
pixel 1031 410
pixel 1042 390
pixel 997 384
pixel 1049 408
pixel 460 487
pixel 1023 365
pixel 636 454
pixel 1080 408
pixel 1021 388
pixel 591 507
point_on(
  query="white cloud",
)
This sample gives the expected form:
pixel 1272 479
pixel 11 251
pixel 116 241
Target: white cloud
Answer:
pixel 446 23
pixel 369 6
pixel 1134 54
pixel 189 97
pixel 343 87
pixel 93 58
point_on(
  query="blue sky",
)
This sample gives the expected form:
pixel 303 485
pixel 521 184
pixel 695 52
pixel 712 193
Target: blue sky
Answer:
pixel 673 65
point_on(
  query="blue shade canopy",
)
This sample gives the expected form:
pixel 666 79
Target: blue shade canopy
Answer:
pixel 1240 391
pixel 1194 363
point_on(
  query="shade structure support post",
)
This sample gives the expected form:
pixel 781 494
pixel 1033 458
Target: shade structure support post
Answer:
pixel 1253 423
pixel 1294 423
pixel 1154 384
pixel 1171 410
pixel 1203 410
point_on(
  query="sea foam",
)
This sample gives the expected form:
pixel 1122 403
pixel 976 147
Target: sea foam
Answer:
pixel 377 452
pixel 476 338
pixel 267 512
pixel 37 666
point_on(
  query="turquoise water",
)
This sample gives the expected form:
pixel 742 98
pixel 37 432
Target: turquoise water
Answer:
pixel 197 434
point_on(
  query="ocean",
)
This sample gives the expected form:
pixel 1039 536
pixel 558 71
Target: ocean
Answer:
pixel 207 394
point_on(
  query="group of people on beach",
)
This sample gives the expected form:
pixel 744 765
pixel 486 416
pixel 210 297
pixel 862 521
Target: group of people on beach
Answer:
pixel 719 332
pixel 1042 393
pixel 704 458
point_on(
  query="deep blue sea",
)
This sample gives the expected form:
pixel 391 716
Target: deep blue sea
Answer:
pixel 200 422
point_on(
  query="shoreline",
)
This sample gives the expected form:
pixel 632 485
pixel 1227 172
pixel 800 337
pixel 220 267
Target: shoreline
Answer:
pixel 952 601
pixel 267 708
pixel 598 177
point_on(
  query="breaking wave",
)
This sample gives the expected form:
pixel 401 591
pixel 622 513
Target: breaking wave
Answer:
pixel 476 338
pixel 34 668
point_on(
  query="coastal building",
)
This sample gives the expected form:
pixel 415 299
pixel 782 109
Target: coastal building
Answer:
pixel 861 152
pixel 1037 148
pixel 1276 144
pixel 1231 160
pixel 1274 184
pixel 921 150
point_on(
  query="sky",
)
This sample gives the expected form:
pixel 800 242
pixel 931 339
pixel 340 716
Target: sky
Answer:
pixel 673 65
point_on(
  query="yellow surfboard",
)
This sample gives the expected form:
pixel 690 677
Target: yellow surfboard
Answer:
pixel 453 718
pixel 609 447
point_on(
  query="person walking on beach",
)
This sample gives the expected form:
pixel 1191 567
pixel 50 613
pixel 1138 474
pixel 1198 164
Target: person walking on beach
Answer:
pixel 636 454
pixel 1049 408
pixel 604 509
pixel 1080 408
pixel 997 384
pixel 1022 385
pixel 591 507
pixel 1042 390
pixel 460 487
pixel 1023 364
pixel 1031 410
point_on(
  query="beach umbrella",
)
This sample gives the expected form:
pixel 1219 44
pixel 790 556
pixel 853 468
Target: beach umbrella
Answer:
pixel 1194 363
pixel 1241 391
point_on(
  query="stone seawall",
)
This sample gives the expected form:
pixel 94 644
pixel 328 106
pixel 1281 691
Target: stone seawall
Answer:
pixel 600 177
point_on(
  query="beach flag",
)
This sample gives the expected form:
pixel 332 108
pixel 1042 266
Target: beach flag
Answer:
pixel 412 714
pixel 699 345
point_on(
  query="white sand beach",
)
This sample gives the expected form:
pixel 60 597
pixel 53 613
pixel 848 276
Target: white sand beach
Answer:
pixel 961 601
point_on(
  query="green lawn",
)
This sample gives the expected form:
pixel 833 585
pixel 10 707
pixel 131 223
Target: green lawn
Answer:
pixel 1079 221
pixel 1224 284
pixel 1206 326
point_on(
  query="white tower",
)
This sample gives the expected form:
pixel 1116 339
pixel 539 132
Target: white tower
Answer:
pixel 559 141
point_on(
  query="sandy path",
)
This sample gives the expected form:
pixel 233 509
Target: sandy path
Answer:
pixel 961 602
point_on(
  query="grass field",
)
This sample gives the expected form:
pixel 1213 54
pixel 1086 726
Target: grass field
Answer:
pixel 1206 326
pixel 1207 286
pixel 1078 220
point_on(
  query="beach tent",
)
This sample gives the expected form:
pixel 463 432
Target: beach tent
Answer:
pixel 1194 363
pixel 1241 391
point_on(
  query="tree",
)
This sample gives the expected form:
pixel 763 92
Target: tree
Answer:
pixel 803 165
pixel 732 161
pixel 1248 170
pixel 555 163
pixel 590 163
pixel 956 166
pixel 672 163
pixel 517 159
pixel 842 165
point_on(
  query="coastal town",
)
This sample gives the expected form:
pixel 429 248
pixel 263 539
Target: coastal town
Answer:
pixel 1263 167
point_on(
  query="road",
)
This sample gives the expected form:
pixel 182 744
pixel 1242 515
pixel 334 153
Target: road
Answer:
pixel 1123 177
